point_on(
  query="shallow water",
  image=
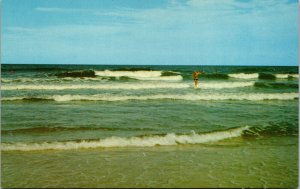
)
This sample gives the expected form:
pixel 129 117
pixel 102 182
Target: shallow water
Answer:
pixel 266 162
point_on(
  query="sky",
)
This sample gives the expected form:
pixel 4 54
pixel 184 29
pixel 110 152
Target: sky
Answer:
pixel 150 32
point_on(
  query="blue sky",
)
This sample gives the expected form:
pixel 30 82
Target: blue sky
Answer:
pixel 150 32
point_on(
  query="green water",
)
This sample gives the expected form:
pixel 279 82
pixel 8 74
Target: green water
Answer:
pixel 149 128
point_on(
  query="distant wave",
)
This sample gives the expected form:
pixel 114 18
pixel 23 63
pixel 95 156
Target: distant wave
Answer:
pixel 244 76
pixel 124 86
pixel 44 80
pixel 142 141
pixel 4 80
pixel 134 74
pixel 82 73
pixel 139 74
pixel 142 74
pixel 262 76
pixel 71 79
pixel 108 75
pixel 130 86
pixel 188 97
pixel 162 78
pixel 286 76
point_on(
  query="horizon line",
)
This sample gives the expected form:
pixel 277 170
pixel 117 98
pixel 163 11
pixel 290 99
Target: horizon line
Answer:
pixel 64 64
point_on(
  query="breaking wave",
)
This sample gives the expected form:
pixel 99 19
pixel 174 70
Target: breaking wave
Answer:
pixel 244 76
pixel 134 74
pixel 124 86
pixel 262 76
pixel 98 78
pixel 141 75
pixel 139 141
pixel 144 76
pixel 129 86
pixel 286 76
pixel 47 80
pixel 188 97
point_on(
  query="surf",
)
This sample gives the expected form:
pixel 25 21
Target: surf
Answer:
pixel 169 139
pixel 187 97
pixel 141 74
pixel 124 86
pixel 262 76
pixel 129 86
pixel 244 76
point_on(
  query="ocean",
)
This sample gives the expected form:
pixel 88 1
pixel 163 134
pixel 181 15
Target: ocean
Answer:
pixel 147 126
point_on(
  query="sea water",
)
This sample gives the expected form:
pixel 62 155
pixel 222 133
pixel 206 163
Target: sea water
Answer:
pixel 147 126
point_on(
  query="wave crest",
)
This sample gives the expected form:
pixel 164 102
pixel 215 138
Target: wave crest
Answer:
pixel 141 75
pixel 262 76
pixel 286 76
pixel 188 97
pixel 124 86
pixel 244 76
pixel 144 141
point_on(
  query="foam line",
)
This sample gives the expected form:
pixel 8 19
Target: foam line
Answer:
pixel 188 97
pixel 130 86
pixel 124 86
pixel 36 80
pixel 244 76
pixel 256 76
pixel 286 76
pixel 133 74
pixel 145 141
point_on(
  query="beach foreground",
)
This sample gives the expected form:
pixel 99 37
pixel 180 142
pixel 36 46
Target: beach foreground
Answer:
pixel 256 163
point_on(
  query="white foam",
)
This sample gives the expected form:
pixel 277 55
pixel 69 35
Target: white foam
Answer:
pixel 124 86
pixel 256 75
pixel 132 74
pixel 188 97
pixel 146 141
pixel 285 76
pixel 129 86
pixel 244 76
pixel 294 75
pixel 36 80
pixel 5 80
pixel 140 75
pixel 162 78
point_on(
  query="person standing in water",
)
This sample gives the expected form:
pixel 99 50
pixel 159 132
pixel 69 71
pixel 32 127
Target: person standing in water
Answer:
pixel 195 76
